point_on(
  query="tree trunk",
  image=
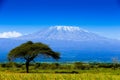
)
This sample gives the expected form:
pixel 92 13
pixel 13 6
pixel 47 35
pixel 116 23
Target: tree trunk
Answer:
pixel 27 66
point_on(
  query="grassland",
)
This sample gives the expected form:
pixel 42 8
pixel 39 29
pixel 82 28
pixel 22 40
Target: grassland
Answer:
pixel 52 76
pixel 93 74
pixel 45 71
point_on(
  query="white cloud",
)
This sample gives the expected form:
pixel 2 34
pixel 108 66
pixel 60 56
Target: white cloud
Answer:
pixel 10 34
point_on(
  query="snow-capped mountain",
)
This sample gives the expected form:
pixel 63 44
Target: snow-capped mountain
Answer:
pixel 69 41
pixel 63 33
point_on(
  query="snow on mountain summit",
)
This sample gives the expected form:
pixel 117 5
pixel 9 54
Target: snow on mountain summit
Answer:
pixel 68 28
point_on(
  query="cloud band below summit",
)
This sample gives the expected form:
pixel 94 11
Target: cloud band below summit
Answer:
pixel 10 34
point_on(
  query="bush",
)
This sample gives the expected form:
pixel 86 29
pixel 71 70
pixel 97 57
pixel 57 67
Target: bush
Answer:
pixel 82 66
pixel 54 66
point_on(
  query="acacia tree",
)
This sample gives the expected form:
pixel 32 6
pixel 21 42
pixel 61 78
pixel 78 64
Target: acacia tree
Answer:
pixel 29 51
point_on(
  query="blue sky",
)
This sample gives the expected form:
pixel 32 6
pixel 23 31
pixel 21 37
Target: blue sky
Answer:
pixel 26 16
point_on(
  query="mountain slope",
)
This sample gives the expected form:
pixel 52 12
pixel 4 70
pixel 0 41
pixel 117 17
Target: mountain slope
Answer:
pixel 67 37
pixel 63 33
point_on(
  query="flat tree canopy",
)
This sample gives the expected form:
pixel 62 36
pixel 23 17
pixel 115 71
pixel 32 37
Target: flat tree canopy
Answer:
pixel 29 51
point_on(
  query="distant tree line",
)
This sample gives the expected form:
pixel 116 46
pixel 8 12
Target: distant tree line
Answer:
pixel 53 66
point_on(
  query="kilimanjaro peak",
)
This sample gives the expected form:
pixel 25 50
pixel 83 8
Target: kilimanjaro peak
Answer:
pixel 66 33
pixel 68 28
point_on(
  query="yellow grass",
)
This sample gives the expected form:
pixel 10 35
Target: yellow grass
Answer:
pixel 50 76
